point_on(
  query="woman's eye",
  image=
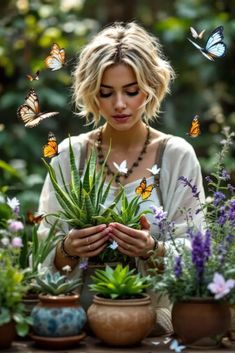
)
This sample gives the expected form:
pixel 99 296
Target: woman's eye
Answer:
pixel 105 95
pixel 132 93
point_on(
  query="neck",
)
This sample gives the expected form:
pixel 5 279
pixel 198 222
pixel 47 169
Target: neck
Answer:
pixel 124 139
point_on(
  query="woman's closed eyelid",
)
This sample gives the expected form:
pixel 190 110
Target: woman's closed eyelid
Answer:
pixel 108 94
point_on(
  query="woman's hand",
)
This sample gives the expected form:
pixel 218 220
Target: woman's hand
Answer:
pixel 132 242
pixel 87 242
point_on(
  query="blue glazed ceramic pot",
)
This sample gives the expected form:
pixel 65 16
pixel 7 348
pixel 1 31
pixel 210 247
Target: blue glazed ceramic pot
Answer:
pixel 58 316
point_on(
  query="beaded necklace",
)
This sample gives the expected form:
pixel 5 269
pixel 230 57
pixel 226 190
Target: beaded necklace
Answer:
pixel 134 165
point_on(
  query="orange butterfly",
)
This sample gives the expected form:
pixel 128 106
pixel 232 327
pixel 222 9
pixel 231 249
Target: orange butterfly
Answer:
pixel 195 130
pixel 143 189
pixel 56 59
pixel 51 148
pixel 30 113
pixel 34 219
pixel 33 77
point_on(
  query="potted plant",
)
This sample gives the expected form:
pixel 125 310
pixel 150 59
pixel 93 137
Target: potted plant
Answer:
pixel 13 318
pixel 58 318
pixel 200 277
pixel 121 313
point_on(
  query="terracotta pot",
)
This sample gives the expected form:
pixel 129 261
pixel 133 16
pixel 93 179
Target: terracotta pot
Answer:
pixel 200 322
pixel 30 301
pixel 121 322
pixel 58 316
pixel 232 326
pixel 7 334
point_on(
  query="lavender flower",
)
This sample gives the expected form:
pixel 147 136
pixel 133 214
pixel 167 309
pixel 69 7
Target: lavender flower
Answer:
pixel 188 183
pixel 159 214
pixel 17 242
pixel 201 244
pixel 83 265
pixel 218 198
pixel 178 267
pixel 224 175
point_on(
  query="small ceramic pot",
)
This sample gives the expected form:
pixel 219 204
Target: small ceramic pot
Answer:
pixel 58 316
pixel 7 334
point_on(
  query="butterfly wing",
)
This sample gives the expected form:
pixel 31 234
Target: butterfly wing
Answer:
pixel 33 77
pixel 215 47
pixel 140 189
pixel 194 32
pixel 51 148
pixel 56 59
pixel 195 44
pixel 195 130
pixel 34 219
pixel 147 192
pixel 29 112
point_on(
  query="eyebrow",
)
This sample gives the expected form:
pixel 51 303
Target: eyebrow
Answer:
pixel 125 86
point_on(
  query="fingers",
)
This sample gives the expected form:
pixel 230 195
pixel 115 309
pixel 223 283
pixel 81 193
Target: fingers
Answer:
pixel 144 223
pixel 83 233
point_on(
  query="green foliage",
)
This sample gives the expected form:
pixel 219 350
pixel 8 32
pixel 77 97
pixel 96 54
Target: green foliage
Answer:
pixel 118 283
pixel 12 290
pixel 81 202
pixel 55 284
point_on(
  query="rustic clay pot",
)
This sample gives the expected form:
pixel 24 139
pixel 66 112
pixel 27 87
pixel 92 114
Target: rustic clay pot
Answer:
pixel 121 322
pixel 201 322
pixel 7 334
pixel 58 316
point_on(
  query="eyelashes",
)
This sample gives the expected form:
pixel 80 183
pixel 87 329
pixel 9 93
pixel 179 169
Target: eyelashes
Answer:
pixel 130 94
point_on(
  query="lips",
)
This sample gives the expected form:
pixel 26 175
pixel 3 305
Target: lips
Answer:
pixel 121 116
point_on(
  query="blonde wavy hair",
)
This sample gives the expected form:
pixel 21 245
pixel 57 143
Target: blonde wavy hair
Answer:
pixel 128 44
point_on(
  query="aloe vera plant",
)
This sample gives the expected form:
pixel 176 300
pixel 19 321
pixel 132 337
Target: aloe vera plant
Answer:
pixel 81 201
pixel 119 282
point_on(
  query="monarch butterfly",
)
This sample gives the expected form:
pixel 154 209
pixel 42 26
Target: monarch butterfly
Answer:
pixel 195 34
pixel 33 77
pixel 30 111
pixel 56 59
pixel 215 47
pixel 51 148
pixel 194 130
pixel 143 189
pixel 34 219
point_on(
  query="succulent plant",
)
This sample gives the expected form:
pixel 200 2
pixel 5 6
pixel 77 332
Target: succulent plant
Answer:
pixel 118 283
pixel 55 284
pixel 81 202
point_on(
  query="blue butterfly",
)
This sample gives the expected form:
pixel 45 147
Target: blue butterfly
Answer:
pixel 215 47
pixel 174 346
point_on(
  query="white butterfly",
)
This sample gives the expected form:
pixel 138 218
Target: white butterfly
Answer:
pixel 215 47
pixel 195 34
pixel 56 59
pixel 122 168
pixel 154 170
pixel 166 340
pixel 174 346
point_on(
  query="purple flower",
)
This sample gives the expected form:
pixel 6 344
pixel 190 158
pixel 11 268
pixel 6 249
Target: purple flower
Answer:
pixel 218 197
pixel 219 286
pixel 188 183
pixel 208 179
pixel 15 226
pixel 201 250
pixel 224 175
pixel 178 267
pixel 17 242
pixel 83 265
pixel 159 214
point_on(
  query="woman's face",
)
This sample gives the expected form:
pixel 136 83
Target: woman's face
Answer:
pixel 120 98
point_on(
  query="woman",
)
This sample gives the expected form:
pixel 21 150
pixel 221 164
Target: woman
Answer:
pixel 123 76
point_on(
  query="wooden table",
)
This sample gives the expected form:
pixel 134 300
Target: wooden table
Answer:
pixel 92 345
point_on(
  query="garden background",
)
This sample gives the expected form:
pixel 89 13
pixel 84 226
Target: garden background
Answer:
pixel 27 31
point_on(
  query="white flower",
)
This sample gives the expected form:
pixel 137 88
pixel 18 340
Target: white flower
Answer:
pixel 67 268
pixel 5 241
pixel 122 168
pixel 13 204
pixel 154 170
pixel 114 245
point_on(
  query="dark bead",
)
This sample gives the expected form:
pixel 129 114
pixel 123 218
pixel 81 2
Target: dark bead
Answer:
pixel 117 179
pixel 135 164
pixel 140 158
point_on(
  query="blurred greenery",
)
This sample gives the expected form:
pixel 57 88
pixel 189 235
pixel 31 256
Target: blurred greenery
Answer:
pixel 27 31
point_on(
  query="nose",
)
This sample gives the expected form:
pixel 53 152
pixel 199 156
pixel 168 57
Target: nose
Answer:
pixel 119 103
